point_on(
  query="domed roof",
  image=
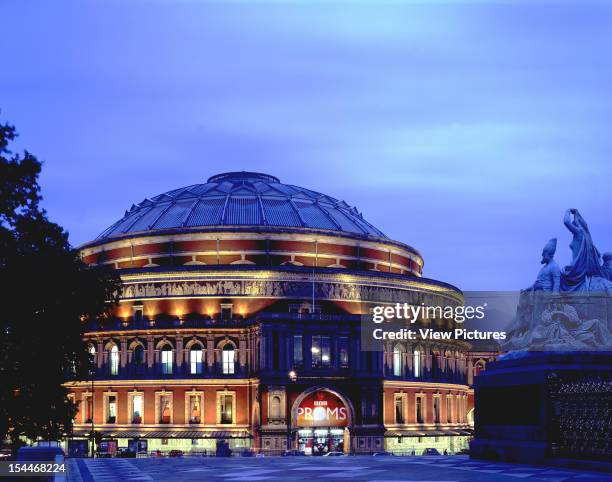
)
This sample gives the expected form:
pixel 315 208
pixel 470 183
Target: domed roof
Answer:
pixel 242 199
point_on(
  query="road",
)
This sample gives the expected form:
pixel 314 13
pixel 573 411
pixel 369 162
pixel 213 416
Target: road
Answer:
pixel 359 468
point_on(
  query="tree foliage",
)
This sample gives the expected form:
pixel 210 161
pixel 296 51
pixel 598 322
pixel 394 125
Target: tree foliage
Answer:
pixel 48 293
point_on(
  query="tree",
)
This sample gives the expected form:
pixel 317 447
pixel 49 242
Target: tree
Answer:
pixel 48 294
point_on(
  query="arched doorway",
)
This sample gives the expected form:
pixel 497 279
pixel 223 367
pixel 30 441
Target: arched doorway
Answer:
pixel 321 419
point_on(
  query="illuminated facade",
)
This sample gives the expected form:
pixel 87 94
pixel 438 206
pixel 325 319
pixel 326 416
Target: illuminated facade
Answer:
pixel 240 319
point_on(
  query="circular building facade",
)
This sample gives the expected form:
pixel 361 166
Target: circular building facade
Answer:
pixel 239 325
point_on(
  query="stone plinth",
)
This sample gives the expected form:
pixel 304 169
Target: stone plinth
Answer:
pixel 543 406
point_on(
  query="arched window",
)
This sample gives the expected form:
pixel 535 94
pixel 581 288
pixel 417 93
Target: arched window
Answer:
pixel 398 361
pixel 417 357
pixel 275 407
pixel 228 356
pixel 435 364
pixel 195 360
pixel 114 360
pixel 138 355
pixel 166 360
pixel 92 355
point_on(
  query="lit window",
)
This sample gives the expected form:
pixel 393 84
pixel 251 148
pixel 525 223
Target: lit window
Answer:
pixel 298 352
pixel 226 407
pixel 325 351
pixel 92 354
pixel 416 363
pixel 398 361
pixel 228 359
pixel 166 360
pixel 419 410
pixel 137 409
pixel 111 409
pixel 195 360
pixel 320 349
pixel 399 408
pixel 195 409
pixel 315 350
pixel 114 360
pixel 88 411
pixel 165 409
pixel 343 351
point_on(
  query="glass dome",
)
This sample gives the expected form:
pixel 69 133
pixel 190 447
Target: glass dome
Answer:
pixel 242 199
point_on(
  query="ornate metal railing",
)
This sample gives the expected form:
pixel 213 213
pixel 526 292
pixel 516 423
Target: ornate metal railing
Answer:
pixel 581 415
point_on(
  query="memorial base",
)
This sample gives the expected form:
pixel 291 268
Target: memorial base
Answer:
pixel 542 407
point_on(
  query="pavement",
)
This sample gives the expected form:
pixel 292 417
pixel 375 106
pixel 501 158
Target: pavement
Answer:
pixel 455 468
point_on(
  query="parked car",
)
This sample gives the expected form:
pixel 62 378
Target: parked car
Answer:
pixel 6 454
pixel 431 451
pixel 176 453
pixel 288 453
pixel 381 454
pixel 333 454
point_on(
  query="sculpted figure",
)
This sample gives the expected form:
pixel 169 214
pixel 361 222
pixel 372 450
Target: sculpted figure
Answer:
pixel 549 277
pixel 585 266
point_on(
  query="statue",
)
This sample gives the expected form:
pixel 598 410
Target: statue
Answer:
pixel 559 328
pixel 549 277
pixel 585 273
pixel 565 309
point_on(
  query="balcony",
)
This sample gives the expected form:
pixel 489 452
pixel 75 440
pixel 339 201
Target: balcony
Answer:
pixel 165 322
pixel 157 371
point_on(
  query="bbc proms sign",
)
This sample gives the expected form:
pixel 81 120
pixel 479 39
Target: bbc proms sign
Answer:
pixel 322 409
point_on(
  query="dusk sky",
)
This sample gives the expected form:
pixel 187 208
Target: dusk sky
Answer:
pixel 464 129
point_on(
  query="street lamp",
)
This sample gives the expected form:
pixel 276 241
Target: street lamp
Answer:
pixel 92 373
pixel 293 375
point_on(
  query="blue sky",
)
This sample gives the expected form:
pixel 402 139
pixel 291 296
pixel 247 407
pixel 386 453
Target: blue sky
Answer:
pixel 462 128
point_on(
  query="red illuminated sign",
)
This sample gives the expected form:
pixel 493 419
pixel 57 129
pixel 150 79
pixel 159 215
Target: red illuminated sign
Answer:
pixel 322 409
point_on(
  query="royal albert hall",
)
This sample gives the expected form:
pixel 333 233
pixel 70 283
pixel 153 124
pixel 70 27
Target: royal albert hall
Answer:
pixel 239 323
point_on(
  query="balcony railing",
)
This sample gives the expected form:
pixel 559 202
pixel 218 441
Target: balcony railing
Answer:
pixel 121 324
pixel 157 371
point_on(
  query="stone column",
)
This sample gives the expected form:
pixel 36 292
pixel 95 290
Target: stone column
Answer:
pixel 242 352
pixel 100 353
pixel 179 352
pixel 150 353
pixel 470 372
pixel 210 352
pixel 124 357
